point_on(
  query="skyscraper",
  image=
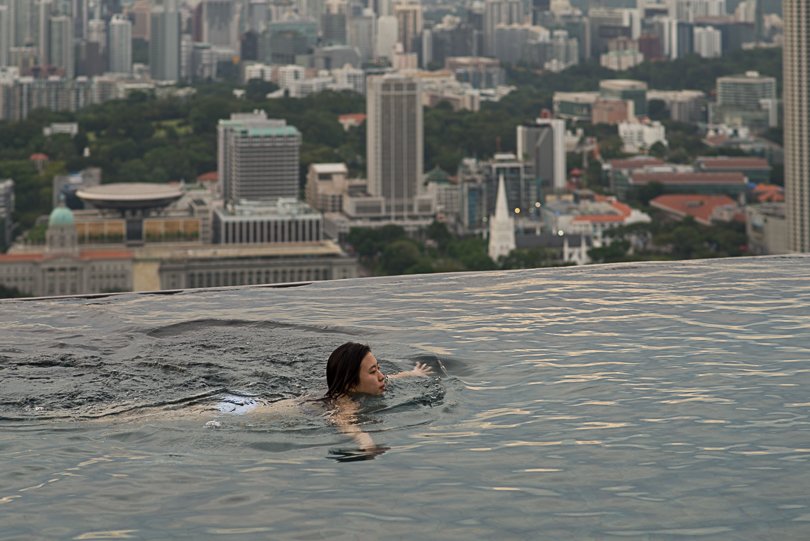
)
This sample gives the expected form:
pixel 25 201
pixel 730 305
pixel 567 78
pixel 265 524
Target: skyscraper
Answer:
pixel 220 23
pixel 796 84
pixel 5 35
pixel 394 142
pixel 120 45
pixel 542 146
pixel 61 51
pixel 42 31
pixel 499 12
pixel 257 157
pixel 164 45
pixel 409 23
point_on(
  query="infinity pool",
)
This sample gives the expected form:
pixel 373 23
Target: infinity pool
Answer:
pixel 640 401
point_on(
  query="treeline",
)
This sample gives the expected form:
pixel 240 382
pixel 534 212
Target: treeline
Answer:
pixel 664 240
pixel 389 251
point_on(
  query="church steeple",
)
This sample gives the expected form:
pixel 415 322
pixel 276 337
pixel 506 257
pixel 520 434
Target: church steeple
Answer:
pixel 501 226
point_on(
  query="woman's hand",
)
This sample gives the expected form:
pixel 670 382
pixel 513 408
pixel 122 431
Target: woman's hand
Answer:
pixel 421 370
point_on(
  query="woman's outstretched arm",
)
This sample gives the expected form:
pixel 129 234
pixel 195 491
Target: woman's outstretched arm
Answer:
pixel 420 370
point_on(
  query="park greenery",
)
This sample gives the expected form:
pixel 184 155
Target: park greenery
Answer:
pixel 391 251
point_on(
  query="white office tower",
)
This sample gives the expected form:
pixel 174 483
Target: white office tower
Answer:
pixel 6 36
pixel 164 45
pixel 708 42
pixel 257 157
pixel 387 35
pixel 501 226
pixel 542 145
pixel 499 12
pixel 120 45
pixel 394 142
pixel 61 45
pixel 796 94
pixel 97 32
pixel 220 23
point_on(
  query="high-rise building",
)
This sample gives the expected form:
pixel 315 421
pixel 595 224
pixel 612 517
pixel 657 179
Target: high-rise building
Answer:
pixel 6 36
pixel 746 100
pixel 542 146
pixel 386 37
pixel 499 12
pixel 689 10
pixel 120 45
pixel 61 51
pixel 333 23
pixel 42 31
pixel 80 13
pixel 141 18
pixel 409 24
pixel 796 95
pixel 361 33
pixel 164 45
pixel 257 157
pixel 708 42
pixel 395 142
pixel 220 23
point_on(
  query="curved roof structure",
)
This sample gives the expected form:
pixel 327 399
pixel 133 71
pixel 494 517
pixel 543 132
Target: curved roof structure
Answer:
pixel 130 195
pixel 60 216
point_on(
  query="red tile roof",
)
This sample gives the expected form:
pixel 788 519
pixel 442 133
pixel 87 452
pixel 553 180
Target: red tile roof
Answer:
pixel 700 207
pixel 733 163
pixel 21 258
pixel 357 117
pixel 599 218
pixel 38 157
pixel 211 176
pixel 769 193
pixel 733 177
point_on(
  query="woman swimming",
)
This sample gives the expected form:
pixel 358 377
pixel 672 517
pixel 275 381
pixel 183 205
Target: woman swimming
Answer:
pixel 353 370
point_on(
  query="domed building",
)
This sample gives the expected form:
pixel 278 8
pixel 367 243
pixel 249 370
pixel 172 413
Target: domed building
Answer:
pixel 61 236
pixel 63 267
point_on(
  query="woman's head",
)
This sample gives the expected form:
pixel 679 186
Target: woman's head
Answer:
pixel 352 368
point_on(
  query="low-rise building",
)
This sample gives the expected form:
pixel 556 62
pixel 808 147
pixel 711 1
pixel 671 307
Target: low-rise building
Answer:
pixel 705 209
pixel 280 221
pixel 755 169
pixel 732 184
pixel 766 229
pixel 566 216
pixel 575 105
pixel 638 136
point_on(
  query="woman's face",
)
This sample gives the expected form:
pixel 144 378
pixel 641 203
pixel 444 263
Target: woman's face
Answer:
pixel 371 380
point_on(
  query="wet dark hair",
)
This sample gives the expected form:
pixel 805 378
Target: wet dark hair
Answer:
pixel 343 368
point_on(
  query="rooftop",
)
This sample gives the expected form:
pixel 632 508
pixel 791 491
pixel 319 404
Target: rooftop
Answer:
pixel 689 178
pixel 700 207
pixel 732 163
pixel 130 195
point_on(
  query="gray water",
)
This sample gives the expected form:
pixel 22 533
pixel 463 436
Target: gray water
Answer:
pixel 650 401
